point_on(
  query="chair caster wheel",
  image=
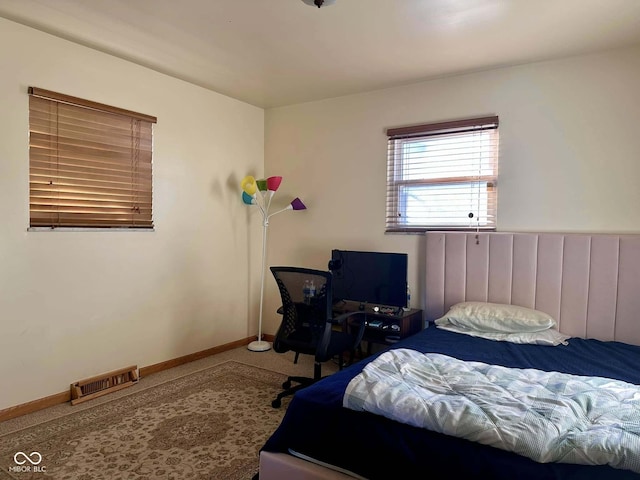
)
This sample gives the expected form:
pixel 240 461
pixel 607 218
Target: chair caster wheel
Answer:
pixel 286 385
pixel 276 403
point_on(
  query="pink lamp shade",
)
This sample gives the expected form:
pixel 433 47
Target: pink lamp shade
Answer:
pixel 273 183
pixel 297 204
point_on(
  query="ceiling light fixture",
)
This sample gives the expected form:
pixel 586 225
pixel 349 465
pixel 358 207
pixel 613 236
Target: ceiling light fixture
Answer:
pixel 319 3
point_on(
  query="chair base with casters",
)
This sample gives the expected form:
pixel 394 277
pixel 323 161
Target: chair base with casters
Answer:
pixel 302 382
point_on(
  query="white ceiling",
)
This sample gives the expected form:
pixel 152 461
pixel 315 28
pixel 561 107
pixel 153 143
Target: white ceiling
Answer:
pixel 278 52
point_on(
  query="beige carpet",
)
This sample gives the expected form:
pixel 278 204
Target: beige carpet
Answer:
pixel 206 424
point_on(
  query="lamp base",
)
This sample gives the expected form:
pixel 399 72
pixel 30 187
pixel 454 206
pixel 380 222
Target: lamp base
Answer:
pixel 259 346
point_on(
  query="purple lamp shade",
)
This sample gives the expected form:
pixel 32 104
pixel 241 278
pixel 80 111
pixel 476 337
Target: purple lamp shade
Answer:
pixel 273 183
pixel 297 204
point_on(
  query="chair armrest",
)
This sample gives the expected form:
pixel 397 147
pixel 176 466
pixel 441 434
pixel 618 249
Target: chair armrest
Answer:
pixel 360 323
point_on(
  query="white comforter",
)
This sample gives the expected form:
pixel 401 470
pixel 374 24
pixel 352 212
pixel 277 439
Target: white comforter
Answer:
pixel 546 416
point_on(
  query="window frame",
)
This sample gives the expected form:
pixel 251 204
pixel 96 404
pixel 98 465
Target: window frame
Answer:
pixel 90 165
pixel 397 183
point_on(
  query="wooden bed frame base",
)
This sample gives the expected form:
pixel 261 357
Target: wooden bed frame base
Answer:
pixel 277 466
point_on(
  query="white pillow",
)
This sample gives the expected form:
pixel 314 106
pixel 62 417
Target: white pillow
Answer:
pixel 550 337
pixel 496 317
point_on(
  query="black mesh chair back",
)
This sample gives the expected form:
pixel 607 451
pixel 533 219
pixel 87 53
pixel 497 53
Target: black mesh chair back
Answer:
pixel 304 313
pixel 307 325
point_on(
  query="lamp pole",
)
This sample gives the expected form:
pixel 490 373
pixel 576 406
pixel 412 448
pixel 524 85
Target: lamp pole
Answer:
pixel 260 345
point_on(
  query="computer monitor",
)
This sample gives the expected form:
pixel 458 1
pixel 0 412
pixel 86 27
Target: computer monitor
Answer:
pixel 377 278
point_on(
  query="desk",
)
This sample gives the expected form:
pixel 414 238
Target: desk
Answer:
pixel 384 328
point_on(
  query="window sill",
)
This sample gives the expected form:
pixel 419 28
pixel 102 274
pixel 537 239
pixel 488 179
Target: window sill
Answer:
pixel 89 229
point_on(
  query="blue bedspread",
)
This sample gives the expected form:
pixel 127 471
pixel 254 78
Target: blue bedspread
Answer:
pixel 317 425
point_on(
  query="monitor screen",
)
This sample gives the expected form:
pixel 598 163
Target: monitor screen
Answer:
pixel 377 278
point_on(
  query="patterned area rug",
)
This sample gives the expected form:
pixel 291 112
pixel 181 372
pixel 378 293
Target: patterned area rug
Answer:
pixel 209 424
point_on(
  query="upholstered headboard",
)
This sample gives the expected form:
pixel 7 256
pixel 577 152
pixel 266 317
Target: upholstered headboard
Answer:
pixel 589 283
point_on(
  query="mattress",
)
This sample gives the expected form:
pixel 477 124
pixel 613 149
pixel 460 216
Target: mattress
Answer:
pixel 316 425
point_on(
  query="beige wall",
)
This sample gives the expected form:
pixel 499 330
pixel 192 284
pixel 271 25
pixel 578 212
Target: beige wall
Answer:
pixel 76 304
pixel 569 156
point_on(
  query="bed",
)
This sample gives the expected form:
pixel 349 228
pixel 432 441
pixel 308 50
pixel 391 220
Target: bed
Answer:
pixel 588 283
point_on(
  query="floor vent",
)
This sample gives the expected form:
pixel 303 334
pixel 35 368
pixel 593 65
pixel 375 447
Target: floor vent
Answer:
pixel 93 387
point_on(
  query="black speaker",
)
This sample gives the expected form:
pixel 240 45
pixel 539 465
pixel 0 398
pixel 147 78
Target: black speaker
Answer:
pixel 335 265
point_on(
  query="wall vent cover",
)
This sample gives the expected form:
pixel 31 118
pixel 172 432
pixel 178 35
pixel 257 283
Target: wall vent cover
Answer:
pixel 93 387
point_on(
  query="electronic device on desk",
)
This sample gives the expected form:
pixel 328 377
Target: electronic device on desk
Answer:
pixel 388 310
pixel 378 278
pixel 375 323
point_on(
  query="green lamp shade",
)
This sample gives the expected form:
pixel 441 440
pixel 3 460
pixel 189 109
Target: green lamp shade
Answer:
pixel 262 185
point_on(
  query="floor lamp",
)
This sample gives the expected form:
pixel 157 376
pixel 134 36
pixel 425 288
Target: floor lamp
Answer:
pixel 259 193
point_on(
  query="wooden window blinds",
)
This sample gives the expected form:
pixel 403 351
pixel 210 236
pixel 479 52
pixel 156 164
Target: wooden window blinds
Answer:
pixel 443 176
pixel 89 163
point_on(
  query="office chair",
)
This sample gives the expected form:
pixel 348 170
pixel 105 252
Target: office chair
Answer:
pixel 307 324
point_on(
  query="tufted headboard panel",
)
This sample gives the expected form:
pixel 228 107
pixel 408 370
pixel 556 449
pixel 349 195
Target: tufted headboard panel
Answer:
pixel 589 283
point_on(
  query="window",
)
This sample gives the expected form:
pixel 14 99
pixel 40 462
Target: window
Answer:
pixel 443 176
pixel 89 164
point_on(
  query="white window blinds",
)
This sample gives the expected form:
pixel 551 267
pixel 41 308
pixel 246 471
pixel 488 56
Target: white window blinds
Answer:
pixel 443 176
pixel 89 163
